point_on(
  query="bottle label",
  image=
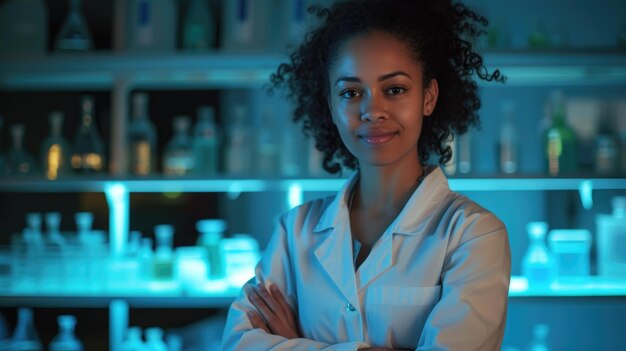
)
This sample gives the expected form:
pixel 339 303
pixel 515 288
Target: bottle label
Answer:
pixel 53 161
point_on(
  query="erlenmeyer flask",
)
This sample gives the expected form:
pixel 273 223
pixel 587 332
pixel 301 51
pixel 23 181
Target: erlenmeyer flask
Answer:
pixel 25 336
pixel 74 34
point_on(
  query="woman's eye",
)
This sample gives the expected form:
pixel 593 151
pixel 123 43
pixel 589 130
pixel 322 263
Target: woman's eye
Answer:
pixel 395 91
pixel 349 94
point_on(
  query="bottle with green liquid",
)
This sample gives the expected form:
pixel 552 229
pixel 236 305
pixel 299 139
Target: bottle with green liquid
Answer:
pixel 560 141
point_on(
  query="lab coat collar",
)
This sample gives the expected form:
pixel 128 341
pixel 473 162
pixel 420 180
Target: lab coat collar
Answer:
pixel 338 208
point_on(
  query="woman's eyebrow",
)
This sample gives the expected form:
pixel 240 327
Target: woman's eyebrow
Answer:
pixel 380 79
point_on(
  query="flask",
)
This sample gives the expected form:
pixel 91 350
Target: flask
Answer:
pixel 211 232
pixel 611 239
pixel 238 154
pixel 55 149
pixel 88 151
pixel 141 138
pixel 178 156
pixel 540 336
pixel 74 34
pixel 151 25
pixel 23 27
pixel 65 340
pixel 206 142
pixel 538 265
pixel 163 264
pixel 133 341
pixel 560 140
pixel 25 336
pixel 198 26
pixel 154 340
pixel 18 162
pixel 507 148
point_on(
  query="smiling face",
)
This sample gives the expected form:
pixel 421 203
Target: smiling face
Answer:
pixel 378 99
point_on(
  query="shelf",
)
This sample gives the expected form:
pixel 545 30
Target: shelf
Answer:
pixel 102 70
pixel 590 287
pixel 242 185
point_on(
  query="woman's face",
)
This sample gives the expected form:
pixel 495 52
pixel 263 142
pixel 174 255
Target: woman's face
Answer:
pixel 378 100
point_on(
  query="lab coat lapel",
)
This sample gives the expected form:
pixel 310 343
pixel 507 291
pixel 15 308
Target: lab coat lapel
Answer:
pixel 378 262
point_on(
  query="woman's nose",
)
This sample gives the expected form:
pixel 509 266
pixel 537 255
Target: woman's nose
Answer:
pixel 374 108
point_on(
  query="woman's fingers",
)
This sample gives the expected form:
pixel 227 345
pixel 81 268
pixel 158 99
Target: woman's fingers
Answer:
pixel 282 302
pixel 257 321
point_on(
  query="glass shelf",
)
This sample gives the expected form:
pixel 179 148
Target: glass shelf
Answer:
pixel 101 70
pixel 585 287
pixel 240 185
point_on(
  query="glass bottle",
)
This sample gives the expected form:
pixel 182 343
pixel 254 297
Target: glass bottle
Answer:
pixel 88 152
pixel 84 223
pixel 18 162
pixel 538 265
pixel 606 158
pixel 55 149
pixel 540 337
pixel 154 340
pixel 178 156
pixel 163 264
pixel 33 236
pixel 65 340
pixel 25 336
pixel 238 154
pixel 133 341
pixel 267 147
pixel 74 34
pixel 151 25
pixel 141 138
pixel 611 240
pixel 507 148
pixel 198 26
pixel 206 142
pixel 53 229
pixel 560 141
pixel 211 232
pixel 23 27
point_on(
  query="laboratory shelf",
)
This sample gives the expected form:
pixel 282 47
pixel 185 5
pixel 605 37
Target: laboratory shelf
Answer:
pixel 241 185
pixel 104 70
pixel 592 286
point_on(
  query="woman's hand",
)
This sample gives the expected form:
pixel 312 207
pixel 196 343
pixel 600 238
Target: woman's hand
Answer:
pixel 274 314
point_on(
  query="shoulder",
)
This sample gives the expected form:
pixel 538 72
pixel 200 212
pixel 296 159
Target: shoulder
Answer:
pixel 305 217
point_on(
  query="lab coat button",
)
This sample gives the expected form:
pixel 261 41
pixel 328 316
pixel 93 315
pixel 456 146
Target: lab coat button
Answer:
pixel 350 308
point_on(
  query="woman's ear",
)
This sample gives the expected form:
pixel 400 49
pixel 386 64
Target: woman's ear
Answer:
pixel 431 93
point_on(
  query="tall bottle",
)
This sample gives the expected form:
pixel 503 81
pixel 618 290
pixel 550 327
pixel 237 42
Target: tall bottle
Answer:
pixel 198 26
pixel 560 140
pixel 206 141
pixel 55 150
pixel 18 161
pixel 611 236
pixel 65 340
pixel 74 34
pixel 538 265
pixel 178 156
pixel 25 336
pixel 23 27
pixel 507 145
pixel 150 25
pixel 141 138
pixel 88 152
pixel 238 155
pixel 211 232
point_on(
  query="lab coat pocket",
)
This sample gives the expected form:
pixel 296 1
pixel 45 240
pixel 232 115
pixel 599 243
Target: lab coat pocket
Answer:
pixel 396 315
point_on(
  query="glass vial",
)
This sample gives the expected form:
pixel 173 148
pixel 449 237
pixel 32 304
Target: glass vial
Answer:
pixel 88 153
pixel 74 34
pixel 154 340
pixel 141 138
pixel 133 341
pixel 178 156
pixel 18 161
pixel 206 140
pixel 55 150
pixel 163 264
pixel 65 340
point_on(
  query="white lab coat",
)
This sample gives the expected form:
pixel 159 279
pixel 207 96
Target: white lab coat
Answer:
pixel 437 279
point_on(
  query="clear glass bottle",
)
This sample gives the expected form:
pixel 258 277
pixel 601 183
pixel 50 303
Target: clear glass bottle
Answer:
pixel 25 336
pixel 206 141
pixel 154 340
pixel 74 34
pixel 141 138
pixel 33 235
pixel 211 233
pixel 163 264
pixel 23 27
pixel 538 265
pixel 178 156
pixel 55 150
pixel 53 229
pixel 133 341
pixel 18 161
pixel 540 338
pixel 198 26
pixel 65 340
pixel 611 236
pixel 560 141
pixel 507 145
pixel 84 223
pixel 151 25
pixel 238 154
pixel 88 151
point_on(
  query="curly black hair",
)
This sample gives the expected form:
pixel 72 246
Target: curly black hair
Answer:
pixel 439 33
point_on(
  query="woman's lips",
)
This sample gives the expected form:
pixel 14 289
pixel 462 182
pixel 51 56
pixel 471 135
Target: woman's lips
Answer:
pixel 378 138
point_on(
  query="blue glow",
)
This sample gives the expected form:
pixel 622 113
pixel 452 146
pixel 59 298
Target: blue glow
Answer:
pixel 118 323
pixel 294 195
pixel 586 194
pixel 118 199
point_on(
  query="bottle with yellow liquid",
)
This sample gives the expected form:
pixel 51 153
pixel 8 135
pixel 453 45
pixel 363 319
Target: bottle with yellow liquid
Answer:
pixel 141 138
pixel 560 141
pixel 88 156
pixel 55 149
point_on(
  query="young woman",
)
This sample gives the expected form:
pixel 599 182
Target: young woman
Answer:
pixel 396 260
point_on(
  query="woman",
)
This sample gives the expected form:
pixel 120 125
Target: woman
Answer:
pixel 396 260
